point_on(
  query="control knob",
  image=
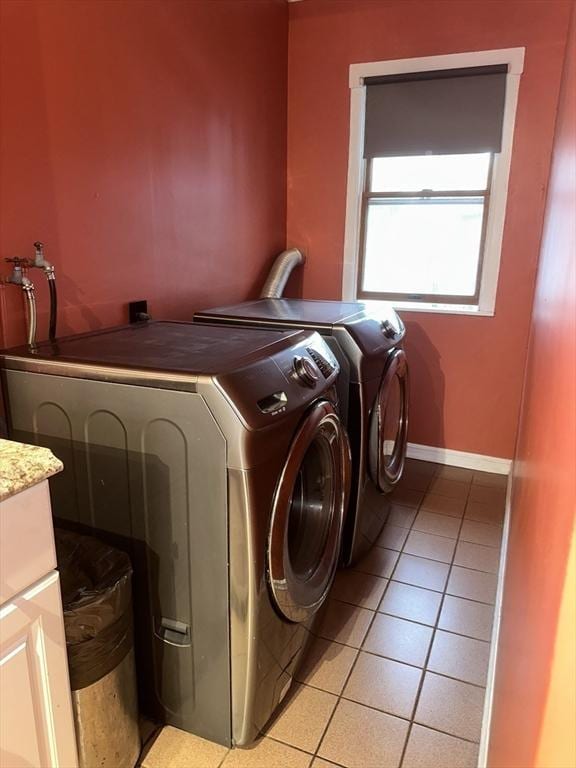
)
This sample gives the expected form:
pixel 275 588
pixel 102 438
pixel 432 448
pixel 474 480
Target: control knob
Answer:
pixel 305 371
pixel 388 329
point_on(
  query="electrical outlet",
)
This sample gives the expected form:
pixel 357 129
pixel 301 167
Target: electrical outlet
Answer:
pixel 138 311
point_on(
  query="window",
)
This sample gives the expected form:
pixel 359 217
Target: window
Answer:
pixel 430 147
pixel 423 222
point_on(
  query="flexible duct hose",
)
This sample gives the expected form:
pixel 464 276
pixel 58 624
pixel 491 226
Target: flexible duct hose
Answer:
pixel 53 305
pixel 281 270
pixel 30 299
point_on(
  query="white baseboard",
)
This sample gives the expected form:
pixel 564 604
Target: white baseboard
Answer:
pixel 489 697
pixel 459 458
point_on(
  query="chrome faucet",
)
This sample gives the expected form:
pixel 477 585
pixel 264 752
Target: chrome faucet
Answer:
pixel 19 279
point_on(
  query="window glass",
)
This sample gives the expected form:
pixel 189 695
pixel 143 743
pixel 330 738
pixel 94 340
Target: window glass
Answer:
pixel 436 172
pixel 427 246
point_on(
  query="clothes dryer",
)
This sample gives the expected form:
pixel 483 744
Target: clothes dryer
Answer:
pixel 373 393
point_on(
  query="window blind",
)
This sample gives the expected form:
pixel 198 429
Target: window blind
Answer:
pixel 456 111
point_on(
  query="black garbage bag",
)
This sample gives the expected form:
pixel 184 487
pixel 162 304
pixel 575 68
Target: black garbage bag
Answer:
pixel 96 583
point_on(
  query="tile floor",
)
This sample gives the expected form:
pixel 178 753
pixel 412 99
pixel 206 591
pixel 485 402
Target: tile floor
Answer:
pixel 396 674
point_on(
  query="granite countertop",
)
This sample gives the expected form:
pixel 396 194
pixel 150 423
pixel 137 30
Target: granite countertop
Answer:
pixel 24 465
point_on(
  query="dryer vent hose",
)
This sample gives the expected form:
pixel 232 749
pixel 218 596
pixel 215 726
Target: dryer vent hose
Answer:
pixel 281 270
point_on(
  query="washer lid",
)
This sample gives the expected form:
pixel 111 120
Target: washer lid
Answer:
pixel 165 346
pixel 262 375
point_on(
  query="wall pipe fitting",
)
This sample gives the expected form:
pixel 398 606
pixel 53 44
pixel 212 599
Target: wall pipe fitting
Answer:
pixel 281 270
pixel 19 279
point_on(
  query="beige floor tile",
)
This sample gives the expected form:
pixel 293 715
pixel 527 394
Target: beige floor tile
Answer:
pixel 359 737
pixel 406 496
pixel 358 589
pixel 303 718
pixel 327 665
pixel 450 706
pixel 489 478
pixel 264 753
pixel 474 585
pixel 392 537
pixel 439 525
pixel 378 562
pixel 401 516
pixel 179 749
pixel 430 546
pixel 414 480
pixel 477 557
pixel 428 468
pixel 455 473
pixel 454 489
pixel 487 494
pixel 484 513
pixel 459 657
pixel 319 763
pixel 430 749
pixel 344 623
pixel 383 684
pixel 398 639
pixel 421 572
pixel 412 603
pixel 481 533
pixel 443 505
pixel 466 617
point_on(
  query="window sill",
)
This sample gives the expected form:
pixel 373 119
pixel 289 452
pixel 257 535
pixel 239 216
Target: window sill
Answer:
pixel 440 309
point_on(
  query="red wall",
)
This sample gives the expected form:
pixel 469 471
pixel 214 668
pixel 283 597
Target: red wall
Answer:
pixel 544 485
pixel 143 141
pixel 466 371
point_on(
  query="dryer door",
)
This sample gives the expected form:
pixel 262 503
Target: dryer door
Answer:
pixel 308 513
pixel 389 424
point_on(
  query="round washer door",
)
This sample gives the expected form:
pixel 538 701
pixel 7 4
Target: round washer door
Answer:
pixel 389 424
pixel 308 514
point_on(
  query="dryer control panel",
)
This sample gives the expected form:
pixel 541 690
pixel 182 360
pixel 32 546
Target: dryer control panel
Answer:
pixel 326 366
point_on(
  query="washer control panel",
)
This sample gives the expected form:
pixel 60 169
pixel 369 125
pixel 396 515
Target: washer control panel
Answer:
pixel 282 378
pixel 305 371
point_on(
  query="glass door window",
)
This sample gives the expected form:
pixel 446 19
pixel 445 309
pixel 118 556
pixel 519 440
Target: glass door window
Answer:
pixel 307 517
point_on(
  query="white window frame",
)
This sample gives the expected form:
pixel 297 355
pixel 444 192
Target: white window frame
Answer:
pixel 514 58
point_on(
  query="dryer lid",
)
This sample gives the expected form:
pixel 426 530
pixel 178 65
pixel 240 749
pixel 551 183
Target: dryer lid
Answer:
pixel 289 312
pixel 372 328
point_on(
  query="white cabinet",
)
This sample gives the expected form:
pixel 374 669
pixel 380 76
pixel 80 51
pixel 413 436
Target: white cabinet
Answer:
pixel 36 722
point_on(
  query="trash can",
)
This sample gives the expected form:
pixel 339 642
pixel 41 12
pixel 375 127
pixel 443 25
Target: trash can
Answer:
pixel 96 582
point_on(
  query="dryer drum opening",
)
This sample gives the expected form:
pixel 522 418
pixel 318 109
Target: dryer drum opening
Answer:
pixel 389 424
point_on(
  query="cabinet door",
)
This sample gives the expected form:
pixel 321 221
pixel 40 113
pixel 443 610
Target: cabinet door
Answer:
pixel 36 722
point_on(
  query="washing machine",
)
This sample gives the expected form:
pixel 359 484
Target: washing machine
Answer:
pixel 373 393
pixel 217 458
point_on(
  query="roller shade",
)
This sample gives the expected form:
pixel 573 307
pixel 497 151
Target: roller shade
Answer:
pixel 445 112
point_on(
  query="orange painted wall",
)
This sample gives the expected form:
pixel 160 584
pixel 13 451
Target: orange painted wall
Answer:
pixel 466 371
pixel 557 743
pixel 144 142
pixel 535 676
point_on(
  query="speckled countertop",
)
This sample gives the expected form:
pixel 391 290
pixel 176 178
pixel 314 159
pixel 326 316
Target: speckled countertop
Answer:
pixel 24 465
